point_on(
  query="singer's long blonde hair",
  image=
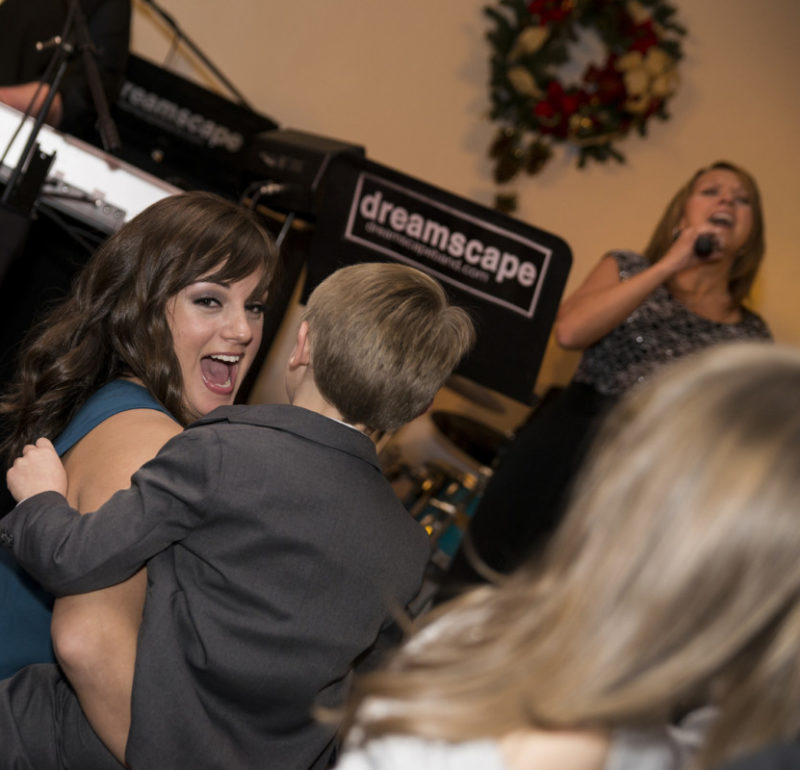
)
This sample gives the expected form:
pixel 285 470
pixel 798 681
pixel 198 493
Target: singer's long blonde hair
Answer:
pixel 674 579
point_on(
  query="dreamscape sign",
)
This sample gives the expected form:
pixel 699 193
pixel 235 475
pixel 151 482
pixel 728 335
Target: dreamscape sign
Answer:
pixel 507 274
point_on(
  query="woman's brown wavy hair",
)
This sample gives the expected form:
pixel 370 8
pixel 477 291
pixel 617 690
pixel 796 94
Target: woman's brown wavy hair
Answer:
pixel 113 324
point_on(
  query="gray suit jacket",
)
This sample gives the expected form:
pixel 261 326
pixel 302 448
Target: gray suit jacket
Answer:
pixel 276 551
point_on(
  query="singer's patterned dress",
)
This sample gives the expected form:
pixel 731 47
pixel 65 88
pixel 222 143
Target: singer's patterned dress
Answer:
pixel 660 330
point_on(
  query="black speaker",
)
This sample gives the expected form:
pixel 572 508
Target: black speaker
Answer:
pixel 288 168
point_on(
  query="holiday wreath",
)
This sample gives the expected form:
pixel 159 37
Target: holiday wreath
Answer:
pixel 530 42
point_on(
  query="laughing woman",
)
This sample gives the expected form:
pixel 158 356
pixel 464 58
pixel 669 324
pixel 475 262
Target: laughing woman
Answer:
pixel 160 329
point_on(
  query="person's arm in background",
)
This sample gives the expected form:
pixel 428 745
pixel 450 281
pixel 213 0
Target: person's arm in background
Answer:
pixel 20 97
pixel 604 301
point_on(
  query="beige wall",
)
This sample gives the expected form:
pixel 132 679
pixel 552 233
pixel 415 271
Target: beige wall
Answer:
pixel 408 81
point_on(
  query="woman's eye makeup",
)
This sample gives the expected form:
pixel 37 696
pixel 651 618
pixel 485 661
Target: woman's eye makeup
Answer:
pixel 206 301
pixel 213 296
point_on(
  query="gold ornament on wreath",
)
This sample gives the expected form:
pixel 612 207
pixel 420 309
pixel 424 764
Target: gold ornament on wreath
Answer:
pixel 535 109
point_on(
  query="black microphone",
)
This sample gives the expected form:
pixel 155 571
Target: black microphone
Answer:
pixel 705 245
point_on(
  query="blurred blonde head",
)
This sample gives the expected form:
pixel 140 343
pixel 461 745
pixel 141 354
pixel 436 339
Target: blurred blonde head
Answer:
pixel 674 580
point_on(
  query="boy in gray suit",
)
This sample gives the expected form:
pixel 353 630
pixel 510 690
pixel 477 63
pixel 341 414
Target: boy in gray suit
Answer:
pixel 276 550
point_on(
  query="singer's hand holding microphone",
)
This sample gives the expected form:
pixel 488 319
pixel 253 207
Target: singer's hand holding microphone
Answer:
pixel 704 245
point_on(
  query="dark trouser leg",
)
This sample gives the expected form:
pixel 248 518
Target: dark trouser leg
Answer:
pixel 42 726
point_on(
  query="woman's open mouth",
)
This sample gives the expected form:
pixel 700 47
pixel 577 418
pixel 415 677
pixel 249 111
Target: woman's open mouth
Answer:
pixel 721 220
pixel 219 372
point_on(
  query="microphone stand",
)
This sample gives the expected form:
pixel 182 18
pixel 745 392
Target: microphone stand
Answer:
pixel 27 177
pixel 105 123
pixel 182 36
pixel 63 52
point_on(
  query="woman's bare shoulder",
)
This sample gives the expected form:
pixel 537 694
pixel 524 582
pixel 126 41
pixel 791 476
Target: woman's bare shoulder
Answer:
pixel 104 460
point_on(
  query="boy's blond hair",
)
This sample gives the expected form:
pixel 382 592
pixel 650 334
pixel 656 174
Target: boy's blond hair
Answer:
pixel 384 338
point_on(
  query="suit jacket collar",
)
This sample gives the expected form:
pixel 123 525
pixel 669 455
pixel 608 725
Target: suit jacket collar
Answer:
pixel 302 422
